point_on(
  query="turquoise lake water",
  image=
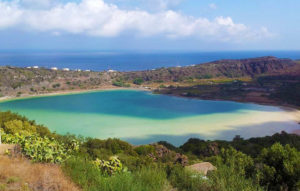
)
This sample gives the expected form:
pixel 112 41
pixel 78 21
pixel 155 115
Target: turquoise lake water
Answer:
pixel 140 117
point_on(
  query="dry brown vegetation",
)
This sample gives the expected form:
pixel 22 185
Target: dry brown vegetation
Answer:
pixel 18 174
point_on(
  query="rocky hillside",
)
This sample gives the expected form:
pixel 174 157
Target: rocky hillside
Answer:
pixel 222 68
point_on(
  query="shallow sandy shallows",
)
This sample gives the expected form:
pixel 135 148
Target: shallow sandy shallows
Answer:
pixel 176 131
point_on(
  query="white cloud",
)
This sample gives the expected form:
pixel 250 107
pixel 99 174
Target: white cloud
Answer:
pixel 97 18
pixel 9 14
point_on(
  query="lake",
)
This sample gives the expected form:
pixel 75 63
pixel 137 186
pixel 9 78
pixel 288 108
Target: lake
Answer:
pixel 141 117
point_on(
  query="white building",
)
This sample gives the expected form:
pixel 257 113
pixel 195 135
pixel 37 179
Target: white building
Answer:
pixel 35 67
pixel 110 71
pixel 87 70
pixel 54 68
pixel 66 69
pixel 28 67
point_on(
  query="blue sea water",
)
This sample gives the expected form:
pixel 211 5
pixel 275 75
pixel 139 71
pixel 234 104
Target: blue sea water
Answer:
pixel 125 61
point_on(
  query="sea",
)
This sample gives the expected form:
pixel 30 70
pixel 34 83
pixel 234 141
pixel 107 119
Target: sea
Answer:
pixel 125 60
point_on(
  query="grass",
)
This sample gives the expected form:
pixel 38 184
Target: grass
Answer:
pixel 85 174
pixel 185 180
pixel 21 174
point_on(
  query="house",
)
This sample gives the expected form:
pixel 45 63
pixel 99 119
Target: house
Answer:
pixel 66 69
pixel 53 68
pixel 35 67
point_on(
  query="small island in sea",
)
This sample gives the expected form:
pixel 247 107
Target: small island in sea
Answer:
pixel 149 95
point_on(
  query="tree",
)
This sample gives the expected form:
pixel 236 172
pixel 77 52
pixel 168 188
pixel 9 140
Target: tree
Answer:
pixel 279 168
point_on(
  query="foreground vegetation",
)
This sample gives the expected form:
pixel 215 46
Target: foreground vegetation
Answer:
pixel 269 163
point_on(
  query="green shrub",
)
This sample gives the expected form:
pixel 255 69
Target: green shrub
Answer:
pixel 120 83
pixel 240 162
pixel 279 168
pixel 110 167
pixel 18 126
pixel 138 81
pixel 39 149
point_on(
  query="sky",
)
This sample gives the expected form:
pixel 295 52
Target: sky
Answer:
pixel 185 25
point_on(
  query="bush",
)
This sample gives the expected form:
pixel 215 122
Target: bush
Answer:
pixel 18 126
pixel 97 148
pixel 110 167
pixel 240 162
pixel 39 149
pixel 120 83
pixel 279 168
pixel 138 81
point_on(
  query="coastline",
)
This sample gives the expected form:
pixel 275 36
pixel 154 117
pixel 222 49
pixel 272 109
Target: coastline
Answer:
pixel 69 92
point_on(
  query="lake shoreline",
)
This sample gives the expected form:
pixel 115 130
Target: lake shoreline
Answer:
pixel 68 92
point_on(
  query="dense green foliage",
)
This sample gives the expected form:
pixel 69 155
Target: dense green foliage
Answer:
pixel 280 168
pixel 268 163
pixel 252 146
